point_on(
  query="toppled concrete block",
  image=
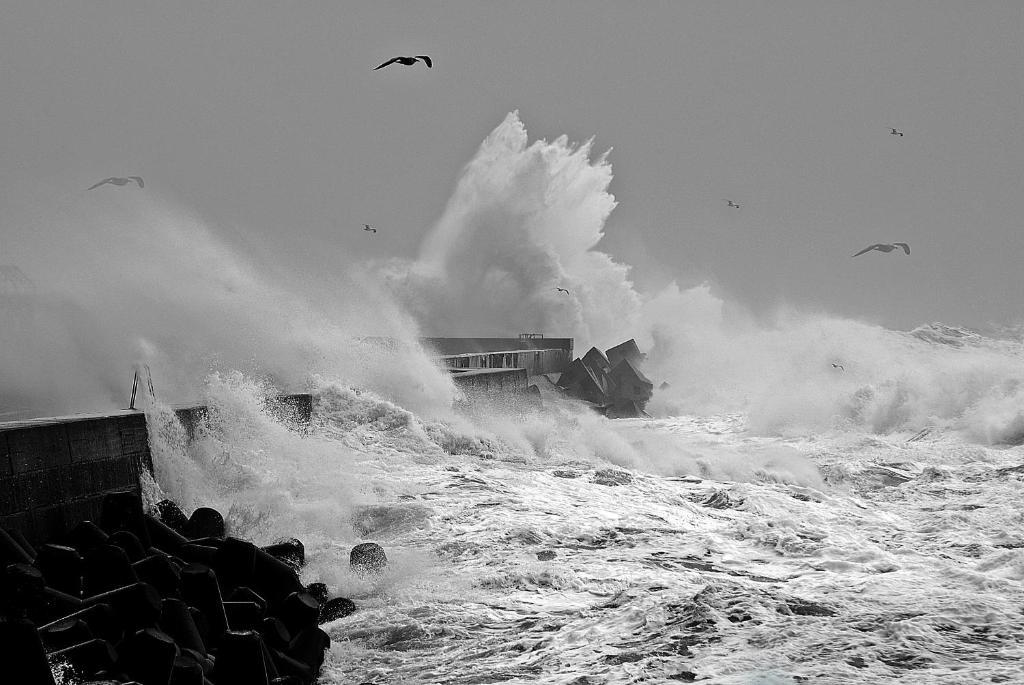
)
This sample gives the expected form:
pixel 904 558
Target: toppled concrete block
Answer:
pixel 627 350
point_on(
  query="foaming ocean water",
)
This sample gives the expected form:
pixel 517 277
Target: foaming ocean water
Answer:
pixel 840 556
pixel 818 498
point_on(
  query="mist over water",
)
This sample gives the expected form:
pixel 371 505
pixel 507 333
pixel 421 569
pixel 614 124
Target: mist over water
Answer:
pixel 128 278
pixel 527 218
pixel 770 478
pixel 132 280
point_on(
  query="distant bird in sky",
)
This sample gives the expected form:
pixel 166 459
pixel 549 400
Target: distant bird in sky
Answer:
pixel 563 290
pixel 114 180
pixel 368 227
pixel 407 61
pixel 731 203
pixel 838 366
pixel 894 132
pixel 884 247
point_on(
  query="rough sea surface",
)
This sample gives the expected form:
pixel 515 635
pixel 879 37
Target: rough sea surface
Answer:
pixel 840 556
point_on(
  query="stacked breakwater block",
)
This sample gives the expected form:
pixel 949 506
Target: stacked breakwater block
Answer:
pixel 160 599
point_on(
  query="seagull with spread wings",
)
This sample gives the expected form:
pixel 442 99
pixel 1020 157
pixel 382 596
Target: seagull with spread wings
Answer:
pixel 368 227
pixel 117 181
pixel 884 247
pixel 731 203
pixel 563 290
pixel 894 132
pixel 407 61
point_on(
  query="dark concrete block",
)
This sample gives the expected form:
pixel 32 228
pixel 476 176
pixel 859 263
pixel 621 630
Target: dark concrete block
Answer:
pixel 205 522
pixel 5 457
pixel 38 447
pixel 12 496
pixel 75 481
pixel 148 656
pixel 62 567
pixel 176 620
pixel 93 439
pixel 21 521
pixel 240 660
pixel 49 519
pixel 332 610
pixel 30 665
pixel 84 509
pixel 42 487
pixel 88 658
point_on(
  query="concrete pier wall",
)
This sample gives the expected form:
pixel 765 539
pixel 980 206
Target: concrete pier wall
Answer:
pixel 55 472
pixel 295 410
pixel 535 361
pixel 457 346
pixel 491 381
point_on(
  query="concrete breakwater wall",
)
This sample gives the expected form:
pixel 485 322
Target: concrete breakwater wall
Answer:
pixel 55 472
pixel 296 410
pixel 491 381
pixel 535 354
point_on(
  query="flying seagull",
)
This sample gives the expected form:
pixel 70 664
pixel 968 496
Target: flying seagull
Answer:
pixel 368 227
pixel 407 61
pixel 894 132
pixel 838 366
pixel 562 290
pixel 114 180
pixel 731 203
pixel 884 247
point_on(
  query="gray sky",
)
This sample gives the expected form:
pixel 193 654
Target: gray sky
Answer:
pixel 266 119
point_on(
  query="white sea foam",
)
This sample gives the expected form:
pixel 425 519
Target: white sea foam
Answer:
pixel 781 518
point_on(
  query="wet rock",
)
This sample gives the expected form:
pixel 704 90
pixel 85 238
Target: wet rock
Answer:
pixel 318 591
pixel 720 499
pixel 336 608
pixel 205 523
pixel 299 611
pixel 612 477
pixel 88 657
pixel 290 551
pixel 171 515
pixel 129 543
pixel 106 568
pixel 148 656
pixel 61 567
pixel 240 659
pixel 546 555
pixel 566 474
pixel 123 511
pixel 368 557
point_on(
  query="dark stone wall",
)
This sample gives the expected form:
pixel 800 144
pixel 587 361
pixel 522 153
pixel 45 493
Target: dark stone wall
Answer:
pixel 492 381
pixel 295 410
pixel 448 346
pixel 534 361
pixel 55 472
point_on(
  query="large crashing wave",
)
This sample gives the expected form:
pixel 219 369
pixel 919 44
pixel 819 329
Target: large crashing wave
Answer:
pixel 526 218
pixel 143 282
pixel 523 220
